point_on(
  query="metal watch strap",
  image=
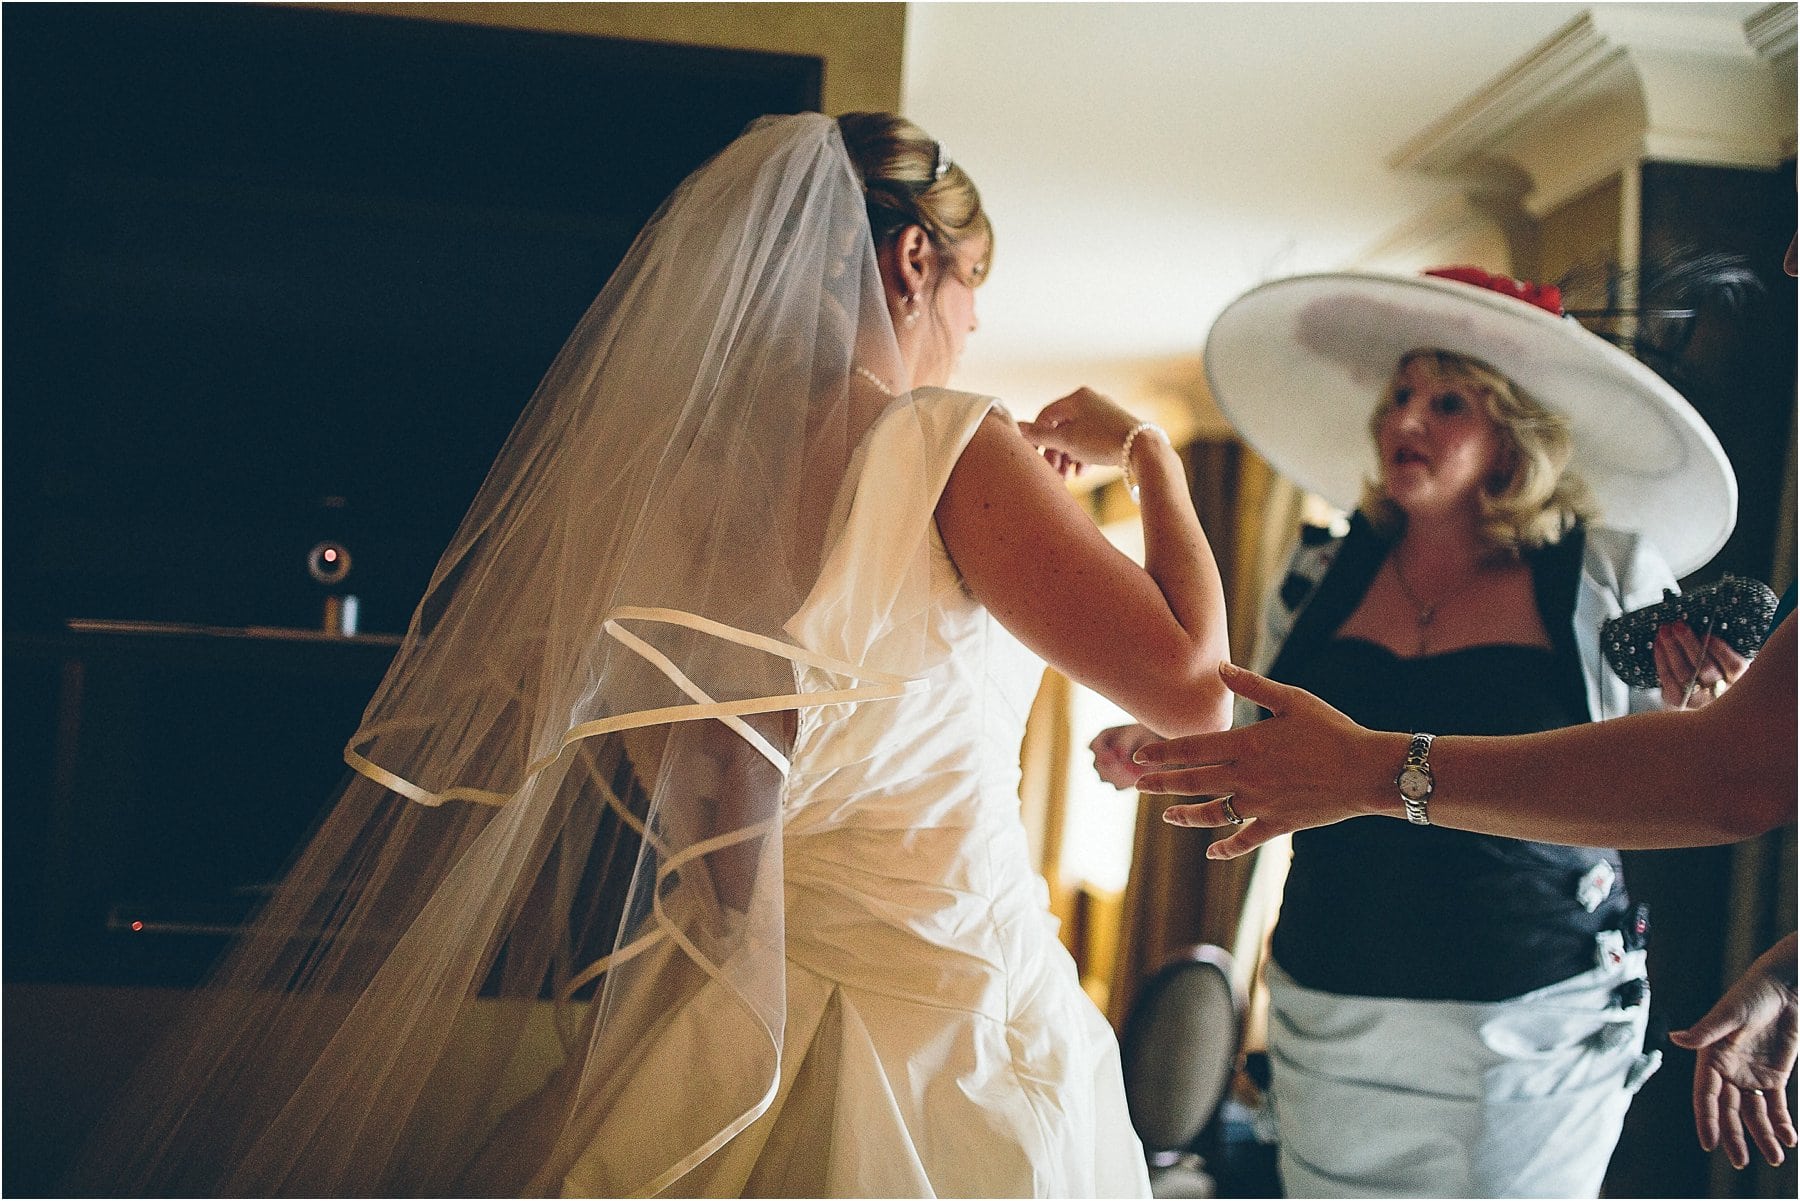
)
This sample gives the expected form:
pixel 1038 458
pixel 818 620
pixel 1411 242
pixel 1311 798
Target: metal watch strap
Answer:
pixel 1418 755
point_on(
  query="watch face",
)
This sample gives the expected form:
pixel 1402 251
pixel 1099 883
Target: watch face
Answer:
pixel 1415 783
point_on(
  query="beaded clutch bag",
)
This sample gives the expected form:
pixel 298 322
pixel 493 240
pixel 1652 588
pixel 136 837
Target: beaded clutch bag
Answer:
pixel 1735 610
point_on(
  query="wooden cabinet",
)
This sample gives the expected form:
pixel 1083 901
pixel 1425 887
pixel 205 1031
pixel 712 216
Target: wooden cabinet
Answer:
pixel 159 778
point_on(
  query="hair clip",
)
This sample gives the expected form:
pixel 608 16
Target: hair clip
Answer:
pixel 940 162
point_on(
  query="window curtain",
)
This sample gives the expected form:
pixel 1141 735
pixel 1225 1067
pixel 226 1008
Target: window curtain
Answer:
pixel 1090 926
pixel 1176 896
pixel 1044 789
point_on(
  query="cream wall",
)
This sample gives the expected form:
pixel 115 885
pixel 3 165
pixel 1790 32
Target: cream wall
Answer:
pixel 861 44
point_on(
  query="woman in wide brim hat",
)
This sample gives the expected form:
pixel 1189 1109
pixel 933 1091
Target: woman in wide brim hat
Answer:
pixel 1296 365
pixel 1452 1013
pixel 1455 1014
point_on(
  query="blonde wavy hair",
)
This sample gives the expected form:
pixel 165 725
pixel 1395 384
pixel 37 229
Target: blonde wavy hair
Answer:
pixel 898 164
pixel 1534 499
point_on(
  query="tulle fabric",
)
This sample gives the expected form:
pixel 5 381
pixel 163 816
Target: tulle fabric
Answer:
pixel 562 832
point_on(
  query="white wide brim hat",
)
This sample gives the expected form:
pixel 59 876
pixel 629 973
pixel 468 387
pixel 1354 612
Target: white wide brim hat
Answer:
pixel 1299 364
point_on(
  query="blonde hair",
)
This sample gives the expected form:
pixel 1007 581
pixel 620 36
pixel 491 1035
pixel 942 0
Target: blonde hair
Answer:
pixel 1533 499
pixel 898 163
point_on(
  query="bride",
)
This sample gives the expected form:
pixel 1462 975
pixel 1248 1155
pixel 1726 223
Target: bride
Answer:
pixel 682 853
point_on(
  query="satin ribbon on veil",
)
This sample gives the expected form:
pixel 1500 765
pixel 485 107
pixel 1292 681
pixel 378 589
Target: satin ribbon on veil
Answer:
pixel 884 686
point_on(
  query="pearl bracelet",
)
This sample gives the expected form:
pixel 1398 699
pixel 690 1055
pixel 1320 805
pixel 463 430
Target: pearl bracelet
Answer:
pixel 1142 427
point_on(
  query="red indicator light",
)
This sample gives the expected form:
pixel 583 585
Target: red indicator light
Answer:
pixel 137 925
pixel 331 556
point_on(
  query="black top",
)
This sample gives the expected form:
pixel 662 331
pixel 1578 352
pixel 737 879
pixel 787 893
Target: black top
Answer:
pixel 1379 907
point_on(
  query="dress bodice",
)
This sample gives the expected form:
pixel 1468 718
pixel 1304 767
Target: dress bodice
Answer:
pixel 901 821
pixel 968 718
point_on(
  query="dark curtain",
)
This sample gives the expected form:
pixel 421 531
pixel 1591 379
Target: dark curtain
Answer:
pixel 1176 896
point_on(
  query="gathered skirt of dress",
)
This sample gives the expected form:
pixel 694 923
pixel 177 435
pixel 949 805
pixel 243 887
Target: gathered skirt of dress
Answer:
pixel 937 1039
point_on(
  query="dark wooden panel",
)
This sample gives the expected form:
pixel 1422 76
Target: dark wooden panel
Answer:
pixel 255 257
pixel 162 779
pixel 1738 369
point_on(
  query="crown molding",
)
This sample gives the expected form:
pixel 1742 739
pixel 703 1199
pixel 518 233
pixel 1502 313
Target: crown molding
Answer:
pixel 1770 31
pixel 1618 85
pixel 1577 51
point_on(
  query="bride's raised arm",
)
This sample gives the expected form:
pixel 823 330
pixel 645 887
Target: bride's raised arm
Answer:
pixel 1150 639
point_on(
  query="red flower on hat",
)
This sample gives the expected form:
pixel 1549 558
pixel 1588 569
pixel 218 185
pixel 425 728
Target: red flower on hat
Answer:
pixel 1545 296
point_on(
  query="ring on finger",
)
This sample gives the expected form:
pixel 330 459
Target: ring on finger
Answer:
pixel 1231 814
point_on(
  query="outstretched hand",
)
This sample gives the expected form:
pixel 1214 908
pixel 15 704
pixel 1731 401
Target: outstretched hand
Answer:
pixel 1306 765
pixel 1746 1045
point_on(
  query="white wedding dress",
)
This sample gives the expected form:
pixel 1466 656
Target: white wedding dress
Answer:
pixel 938 1041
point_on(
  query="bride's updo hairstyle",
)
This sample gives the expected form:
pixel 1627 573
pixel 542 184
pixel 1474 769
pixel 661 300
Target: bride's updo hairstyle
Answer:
pixel 908 179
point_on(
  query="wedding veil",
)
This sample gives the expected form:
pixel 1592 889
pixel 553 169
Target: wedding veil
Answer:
pixel 543 922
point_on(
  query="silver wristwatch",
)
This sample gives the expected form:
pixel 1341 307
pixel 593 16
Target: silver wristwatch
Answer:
pixel 1415 780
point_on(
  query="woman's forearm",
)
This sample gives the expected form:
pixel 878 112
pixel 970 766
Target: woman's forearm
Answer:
pixel 1179 558
pixel 1149 639
pixel 1651 780
pixel 1667 779
pixel 1638 782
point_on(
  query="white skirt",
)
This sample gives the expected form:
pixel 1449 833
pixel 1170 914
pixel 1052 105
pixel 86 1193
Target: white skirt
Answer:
pixel 1388 1097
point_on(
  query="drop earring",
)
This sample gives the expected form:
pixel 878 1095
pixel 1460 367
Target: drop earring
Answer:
pixel 912 309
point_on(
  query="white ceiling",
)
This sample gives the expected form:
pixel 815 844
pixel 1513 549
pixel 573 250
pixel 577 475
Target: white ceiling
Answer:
pixel 1145 163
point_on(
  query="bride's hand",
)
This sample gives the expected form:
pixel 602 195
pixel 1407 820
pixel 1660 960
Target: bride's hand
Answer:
pixel 1080 429
pixel 1113 750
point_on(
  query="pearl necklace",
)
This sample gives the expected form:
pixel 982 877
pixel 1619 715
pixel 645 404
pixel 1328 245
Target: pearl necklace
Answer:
pixel 876 381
